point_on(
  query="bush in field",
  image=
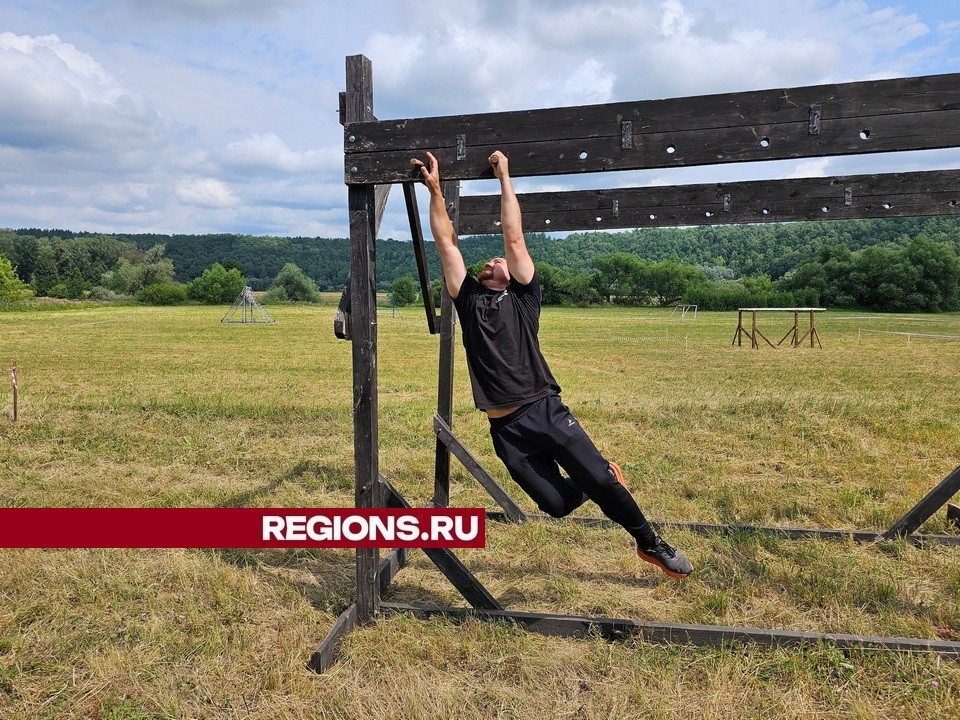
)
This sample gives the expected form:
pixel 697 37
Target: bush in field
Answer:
pixel 291 283
pixel 403 291
pixel 11 287
pixel 98 292
pixel 217 285
pixel 163 293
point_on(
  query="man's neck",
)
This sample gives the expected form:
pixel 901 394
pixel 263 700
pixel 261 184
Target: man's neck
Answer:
pixel 494 286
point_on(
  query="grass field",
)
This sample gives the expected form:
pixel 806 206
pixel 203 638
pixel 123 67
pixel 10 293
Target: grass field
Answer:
pixel 137 406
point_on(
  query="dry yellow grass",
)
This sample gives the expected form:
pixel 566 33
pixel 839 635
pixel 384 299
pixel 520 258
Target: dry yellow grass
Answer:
pixel 128 406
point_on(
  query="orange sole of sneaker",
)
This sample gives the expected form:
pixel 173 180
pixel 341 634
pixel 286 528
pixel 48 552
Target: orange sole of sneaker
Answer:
pixel 664 568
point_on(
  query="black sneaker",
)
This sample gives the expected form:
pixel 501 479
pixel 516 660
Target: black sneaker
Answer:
pixel 673 563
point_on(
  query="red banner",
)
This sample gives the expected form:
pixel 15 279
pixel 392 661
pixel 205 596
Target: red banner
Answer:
pixel 242 528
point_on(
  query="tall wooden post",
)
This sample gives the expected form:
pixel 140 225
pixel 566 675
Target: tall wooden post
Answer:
pixel 363 298
pixel 441 488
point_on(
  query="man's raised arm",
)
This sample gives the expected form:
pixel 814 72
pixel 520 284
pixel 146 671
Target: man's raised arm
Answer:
pixel 454 270
pixel 519 262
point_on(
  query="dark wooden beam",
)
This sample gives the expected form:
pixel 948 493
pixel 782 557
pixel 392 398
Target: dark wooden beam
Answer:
pixel 358 103
pixel 441 485
pixel 953 515
pixel 814 121
pixel 785 533
pixel 489 483
pixel 928 505
pixel 914 194
pixel 420 253
pixel 448 563
pixel 395 561
pixel 381 195
pixel 681 633
pixel 326 653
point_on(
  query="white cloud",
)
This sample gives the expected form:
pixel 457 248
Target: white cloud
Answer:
pixel 268 154
pixel 591 82
pixel 815 167
pixel 58 98
pixel 123 197
pixel 205 193
pixel 221 115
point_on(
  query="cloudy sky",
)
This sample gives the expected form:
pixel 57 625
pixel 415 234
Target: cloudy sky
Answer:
pixel 196 116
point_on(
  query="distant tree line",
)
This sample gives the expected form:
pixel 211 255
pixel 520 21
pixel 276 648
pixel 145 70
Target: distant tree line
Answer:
pixel 103 267
pixel 899 264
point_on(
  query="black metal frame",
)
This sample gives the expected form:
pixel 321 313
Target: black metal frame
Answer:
pixel 885 115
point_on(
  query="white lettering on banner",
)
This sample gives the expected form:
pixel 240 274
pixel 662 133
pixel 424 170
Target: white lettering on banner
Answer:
pixel 441 528
pixel 374 528
pixel 272 527
pixel 465 535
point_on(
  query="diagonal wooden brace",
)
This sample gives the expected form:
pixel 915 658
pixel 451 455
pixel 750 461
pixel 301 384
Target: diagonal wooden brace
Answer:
pixel 921 512
pixel 496 491
pixel 455 571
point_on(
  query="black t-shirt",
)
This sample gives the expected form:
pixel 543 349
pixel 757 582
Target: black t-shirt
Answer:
pixel 499 331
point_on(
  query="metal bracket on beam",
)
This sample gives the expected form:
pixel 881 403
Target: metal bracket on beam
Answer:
pixel 726 202
pixel 848 196
pixel 461 147
pixel 626 135
pixel 616 208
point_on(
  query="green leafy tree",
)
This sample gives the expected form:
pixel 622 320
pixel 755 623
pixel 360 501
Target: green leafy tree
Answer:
pixel 938 273
pixel 11 287
pixel 619 277
pixel 667 281
pixel 75 285
pixel 403 292
pixel 291 283
pixel 45 274
pixel 217 285
pixel 131 275
pixel 564 287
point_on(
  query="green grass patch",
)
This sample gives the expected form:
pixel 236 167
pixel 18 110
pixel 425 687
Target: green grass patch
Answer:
pixel 122 405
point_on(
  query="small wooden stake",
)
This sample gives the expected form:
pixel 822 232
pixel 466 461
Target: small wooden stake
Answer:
pixel 13 381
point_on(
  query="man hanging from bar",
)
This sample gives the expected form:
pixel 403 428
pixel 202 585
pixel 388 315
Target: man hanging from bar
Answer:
pixel 533 432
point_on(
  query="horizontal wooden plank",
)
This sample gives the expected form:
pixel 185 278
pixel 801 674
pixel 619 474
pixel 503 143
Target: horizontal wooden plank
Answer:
pixel 759 107
pixel 877 116
pixel 785 533
pixel 680 633
pixel 914 194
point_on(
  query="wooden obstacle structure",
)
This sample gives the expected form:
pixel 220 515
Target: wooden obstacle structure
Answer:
pixel 796 339
pixel 862 117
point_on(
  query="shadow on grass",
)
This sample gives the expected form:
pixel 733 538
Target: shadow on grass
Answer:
pixel 326 578
pixel 304 473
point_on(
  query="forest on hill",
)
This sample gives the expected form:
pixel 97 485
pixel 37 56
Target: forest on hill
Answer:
pixel 839 263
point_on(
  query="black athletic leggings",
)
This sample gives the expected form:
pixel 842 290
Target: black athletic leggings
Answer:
pixel 538 439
